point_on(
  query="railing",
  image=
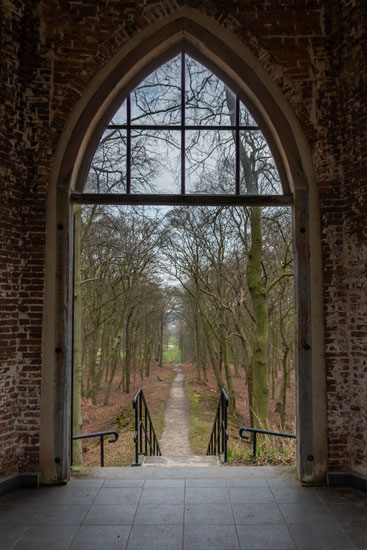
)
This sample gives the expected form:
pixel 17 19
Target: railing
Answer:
pixel 219 436
pixel 101 435
pixel 144 437
pixel 256 431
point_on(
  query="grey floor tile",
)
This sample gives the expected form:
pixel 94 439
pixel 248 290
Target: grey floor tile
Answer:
pixel 283 482
pixel 247 482
pixel 252 513
pixel 162 495
pixel 85 483
pixel 210 537
pixel 348 512
pixel 62 514
pixel 250 494
pixel 117 495
pixel 292 495
pixel 265 537
pixel 74 495
pixel 9 535
pixel 19 515
pixel 306 513
pixel 46 537
pixel 319 537
pixel 97 537
pixel 159 514
pixel 155 537
pixel 210 482
pixel 123 483
pixel 110 514
pixel 209 514
pixel 164 483
pixel 357 533
pixel 28 496
pixel 206 495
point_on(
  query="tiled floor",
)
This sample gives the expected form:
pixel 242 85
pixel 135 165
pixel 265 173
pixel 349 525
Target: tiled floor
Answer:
pixel 194 512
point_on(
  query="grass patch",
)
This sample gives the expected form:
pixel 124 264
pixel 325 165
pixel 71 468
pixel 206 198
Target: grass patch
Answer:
pixel 202 412
pixel 172 354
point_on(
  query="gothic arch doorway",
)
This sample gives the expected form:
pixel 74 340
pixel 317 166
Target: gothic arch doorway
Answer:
pixel 237 67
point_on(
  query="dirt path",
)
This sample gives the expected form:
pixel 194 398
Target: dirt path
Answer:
pixel 175 438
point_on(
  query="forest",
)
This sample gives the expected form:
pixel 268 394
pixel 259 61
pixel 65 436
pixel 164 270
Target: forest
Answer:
pixel 222 276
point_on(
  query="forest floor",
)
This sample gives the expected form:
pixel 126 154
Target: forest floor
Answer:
pixel 203 400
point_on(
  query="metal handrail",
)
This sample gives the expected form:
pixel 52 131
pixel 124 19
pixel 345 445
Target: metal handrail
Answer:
pixel 101 435
pixel 219 436
pixel 255 431
pixel 143 423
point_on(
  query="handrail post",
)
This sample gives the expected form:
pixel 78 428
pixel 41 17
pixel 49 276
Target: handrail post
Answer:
pixel 140 425
pixel 254 451
pixel 102 451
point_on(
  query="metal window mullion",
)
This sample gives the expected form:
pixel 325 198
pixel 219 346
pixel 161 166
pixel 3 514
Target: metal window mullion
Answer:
pixel 238 160
pixel 183 132
pixel 128 146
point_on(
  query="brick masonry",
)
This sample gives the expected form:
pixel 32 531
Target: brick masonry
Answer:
pixel 312 49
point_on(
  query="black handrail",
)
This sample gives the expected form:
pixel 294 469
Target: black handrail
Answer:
pixel 219 436
pixel 101 435
pixel 143 423
pixel 255 431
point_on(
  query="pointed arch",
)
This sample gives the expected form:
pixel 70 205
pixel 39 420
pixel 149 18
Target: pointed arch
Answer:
pixel 236 65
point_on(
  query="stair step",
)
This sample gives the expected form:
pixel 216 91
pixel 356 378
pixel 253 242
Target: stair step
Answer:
pixel 194 460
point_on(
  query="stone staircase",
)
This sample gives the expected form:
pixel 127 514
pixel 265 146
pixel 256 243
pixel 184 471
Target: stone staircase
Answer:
pixel 176 461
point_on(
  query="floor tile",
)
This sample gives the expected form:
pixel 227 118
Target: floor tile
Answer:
pixel 162 495
pixel 250 482
pixel 265 537
pixel 348 512
pixel 46 537
pixel 306 513
pixel 357 533
pixel 85 483
pixel 74 495
pixel 110 514
pixel 250 494
pixel 291 495
pixel 210 537
pixel 124 483
pixel 252 513
pixel 9 535
pixel 209 514
pixel 117 495
pixel 96 537
pixel 206 495
pixel 318 536
pixel 159 514
pixel 283 482
pixel 62 514
pixel 155 537
pixel 164 483
pixel 210 482
pixel 19 515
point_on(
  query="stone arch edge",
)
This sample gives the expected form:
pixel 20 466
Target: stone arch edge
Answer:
pixel 169 34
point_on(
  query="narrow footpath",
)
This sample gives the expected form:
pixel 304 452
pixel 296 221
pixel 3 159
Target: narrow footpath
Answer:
pixel 175 438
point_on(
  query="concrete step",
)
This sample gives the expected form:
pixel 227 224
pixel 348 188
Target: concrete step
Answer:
pixel 193 460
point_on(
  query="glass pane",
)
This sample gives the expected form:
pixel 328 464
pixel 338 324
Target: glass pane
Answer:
pixel 157 100
pixel 258 172
pixel 155 161
pixel 246 118
pixel 120 116
pixel 208 101
pixel 210 162
pixel 107 173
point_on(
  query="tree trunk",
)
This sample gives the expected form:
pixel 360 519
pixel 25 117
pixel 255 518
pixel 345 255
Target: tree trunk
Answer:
pixel 260 398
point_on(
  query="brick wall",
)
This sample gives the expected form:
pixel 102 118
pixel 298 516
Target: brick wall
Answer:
pixel 51 52
pixel 344 227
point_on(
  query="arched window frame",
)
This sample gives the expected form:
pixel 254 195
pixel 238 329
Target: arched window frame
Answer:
pixel 183 198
